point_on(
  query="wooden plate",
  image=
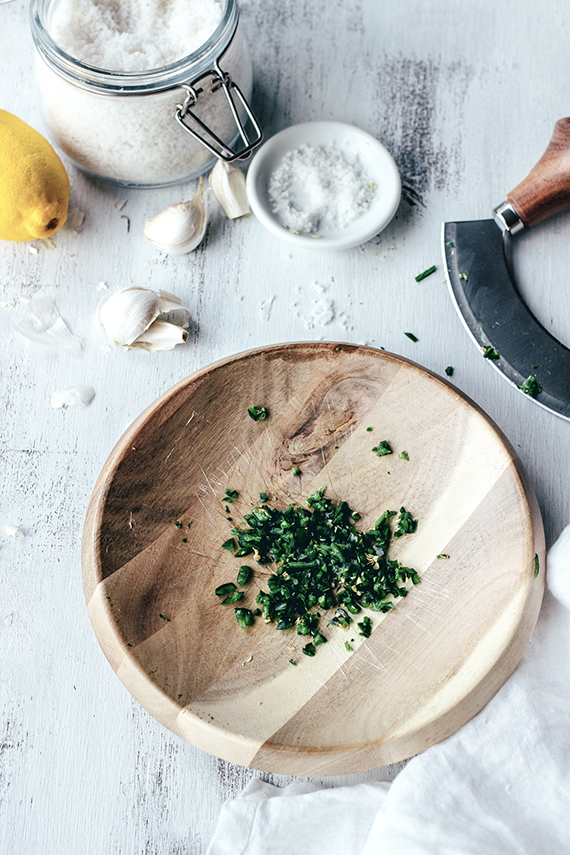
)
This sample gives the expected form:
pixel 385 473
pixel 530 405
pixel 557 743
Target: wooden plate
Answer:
pixel 429 665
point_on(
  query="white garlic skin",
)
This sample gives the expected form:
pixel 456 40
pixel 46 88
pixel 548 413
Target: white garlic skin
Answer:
pixel 181 227
pixel 227 183
pixel 73 396
pixel 129 314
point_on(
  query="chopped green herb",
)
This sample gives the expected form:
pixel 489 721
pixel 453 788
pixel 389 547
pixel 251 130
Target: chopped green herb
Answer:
pixel 536 566
pixel 534 365
pixel 406 523
pixel 164 618
pixel 490 352
pixel 403 455
pixel 426 273
pixel 263 497
pixel 309 649
pixel 337 348
pixel 178 524
pixel 257 612
pixel 244 617
pixel 463 276
pixel 225 589
pixel 531 386
pixel 244 575
pixel 295 470
pixel 355 516
pixel 184 540
pixel 229 544
pixel 347 645
pixel 382 448
pixel 449 370
pixel 365 627
pixel 323 562
pixel 258 414
pixel 190 523
pixel 232 598
pixel 369 429
pixel 442 555
pixel 451 244
pixel 292 662
pixel 411 336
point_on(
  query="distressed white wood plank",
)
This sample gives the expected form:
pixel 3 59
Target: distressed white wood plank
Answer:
pixel 465 96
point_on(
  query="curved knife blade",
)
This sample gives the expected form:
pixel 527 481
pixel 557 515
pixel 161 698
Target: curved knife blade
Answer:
pixel 487 299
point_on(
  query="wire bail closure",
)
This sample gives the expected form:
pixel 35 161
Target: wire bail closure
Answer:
pixel 219 79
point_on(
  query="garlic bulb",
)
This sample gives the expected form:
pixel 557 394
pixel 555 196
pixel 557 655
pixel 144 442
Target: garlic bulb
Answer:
pixel 181 227
pixel 227 183
pixel 139 317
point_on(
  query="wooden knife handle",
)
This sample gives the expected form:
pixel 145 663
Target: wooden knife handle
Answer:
pixel 546 189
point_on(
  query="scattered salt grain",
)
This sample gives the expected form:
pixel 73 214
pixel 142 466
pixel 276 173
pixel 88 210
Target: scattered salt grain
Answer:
pixel 33 249
pixel 8 619
pixel 316 186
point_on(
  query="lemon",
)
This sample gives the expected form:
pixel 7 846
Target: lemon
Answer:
pixel 34 187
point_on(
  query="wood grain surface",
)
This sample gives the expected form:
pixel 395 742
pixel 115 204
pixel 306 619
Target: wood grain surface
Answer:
pixel 429 665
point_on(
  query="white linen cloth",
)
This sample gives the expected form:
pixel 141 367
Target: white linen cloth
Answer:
pixel 499 786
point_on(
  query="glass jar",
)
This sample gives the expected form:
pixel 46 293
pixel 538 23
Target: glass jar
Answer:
pixel 149 128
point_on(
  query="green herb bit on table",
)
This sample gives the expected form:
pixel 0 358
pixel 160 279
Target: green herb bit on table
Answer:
pixel 536 566
pixel 233 598
pixel 258 414
pixel 295 471
pixel 225 589
pixel 490 352
pixel 244 575
pixel 167 619
pixel 531 386
pixel 411 336
pixel 244 617
pixel 382 448
pixel 442 555
pixel 449 370
pixel 322 562
pixel 406 523
pixel 426 273
pixel 365 627
pixel 403 455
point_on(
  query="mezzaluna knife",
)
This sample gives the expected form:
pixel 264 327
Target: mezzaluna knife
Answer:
pixel 477 257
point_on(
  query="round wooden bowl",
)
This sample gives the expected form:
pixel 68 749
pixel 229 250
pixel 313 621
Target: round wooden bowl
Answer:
pixel 430 664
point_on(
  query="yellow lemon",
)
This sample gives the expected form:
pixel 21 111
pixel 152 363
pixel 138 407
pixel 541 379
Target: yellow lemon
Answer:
pixel 34 187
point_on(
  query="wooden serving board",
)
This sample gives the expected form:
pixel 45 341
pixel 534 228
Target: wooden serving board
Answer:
pixel 429 665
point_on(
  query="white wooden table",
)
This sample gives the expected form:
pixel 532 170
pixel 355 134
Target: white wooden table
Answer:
pixel 465 96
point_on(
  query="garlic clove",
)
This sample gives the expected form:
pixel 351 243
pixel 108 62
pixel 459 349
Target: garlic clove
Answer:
pixel 181 227
pixel 227 183
pixel 161 336
pixel 128 313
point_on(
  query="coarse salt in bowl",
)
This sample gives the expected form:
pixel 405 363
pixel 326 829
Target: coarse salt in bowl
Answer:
pixel 323 185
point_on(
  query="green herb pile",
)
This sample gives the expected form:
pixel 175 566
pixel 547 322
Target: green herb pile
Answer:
pixel 323 562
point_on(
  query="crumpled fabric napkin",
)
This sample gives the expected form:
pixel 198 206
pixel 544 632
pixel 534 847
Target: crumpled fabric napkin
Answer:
pixel 499 786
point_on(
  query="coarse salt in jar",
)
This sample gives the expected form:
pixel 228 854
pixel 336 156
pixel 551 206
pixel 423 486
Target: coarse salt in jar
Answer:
pixel 144 93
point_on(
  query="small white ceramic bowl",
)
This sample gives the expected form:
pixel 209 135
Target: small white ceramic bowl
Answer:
pixel 377 163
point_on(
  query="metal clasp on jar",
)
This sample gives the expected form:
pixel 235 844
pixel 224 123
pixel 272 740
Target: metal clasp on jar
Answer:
pixel 220 80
